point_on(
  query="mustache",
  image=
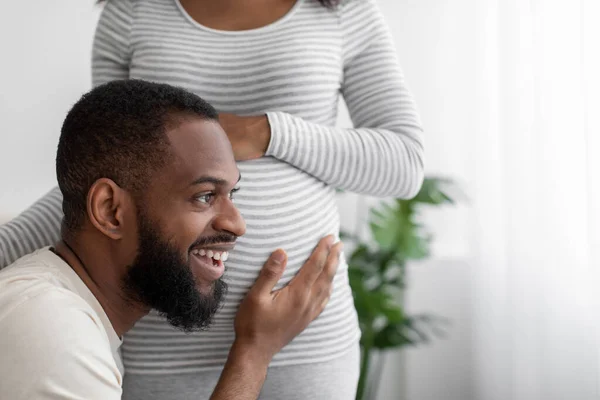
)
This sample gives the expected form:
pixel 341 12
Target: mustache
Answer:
pixel 219 238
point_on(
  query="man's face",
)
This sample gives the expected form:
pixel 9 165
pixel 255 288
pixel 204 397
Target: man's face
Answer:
pixel 186 225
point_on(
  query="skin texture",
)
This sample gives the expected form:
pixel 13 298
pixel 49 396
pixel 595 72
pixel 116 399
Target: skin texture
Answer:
pixel 249 136
pixel 237 15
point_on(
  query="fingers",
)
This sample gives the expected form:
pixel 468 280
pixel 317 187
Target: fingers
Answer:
pixel 331 266
pixel 313 267
pixel 270 273
pixel 323 286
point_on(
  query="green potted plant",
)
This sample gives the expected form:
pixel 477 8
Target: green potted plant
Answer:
pixel 377 270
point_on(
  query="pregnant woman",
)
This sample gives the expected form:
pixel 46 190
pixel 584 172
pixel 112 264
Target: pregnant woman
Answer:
pixel 275 70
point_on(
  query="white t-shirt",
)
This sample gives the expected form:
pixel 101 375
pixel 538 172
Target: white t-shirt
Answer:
pixel 56 341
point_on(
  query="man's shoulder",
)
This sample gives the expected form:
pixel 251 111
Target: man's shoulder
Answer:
pixel 36 298
pixel 42 306
pixel 33 281
pixel 32 263
pixel 54 342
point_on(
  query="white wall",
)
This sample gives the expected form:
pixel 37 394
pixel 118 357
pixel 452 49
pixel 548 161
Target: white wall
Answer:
pixel 45 67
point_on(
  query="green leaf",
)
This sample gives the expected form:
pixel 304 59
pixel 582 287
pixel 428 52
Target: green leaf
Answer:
pixel 356 277
pixel 393 274
pixel 376 270
pixel 393 314
pixel 416 247
pixel 391 336
pixel 385 234
pixel 360 251
pixel 379 215
pixel 432 193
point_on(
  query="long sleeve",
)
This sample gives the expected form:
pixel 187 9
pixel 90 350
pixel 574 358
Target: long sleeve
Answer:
pixel 111 50
pixel 34 228
pixel 383 154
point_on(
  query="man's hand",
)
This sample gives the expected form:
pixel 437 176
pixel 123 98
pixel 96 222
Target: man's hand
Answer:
pixel 269 319
pixel 249 136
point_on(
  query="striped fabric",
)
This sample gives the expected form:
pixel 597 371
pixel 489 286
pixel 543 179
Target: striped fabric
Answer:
pixel 294 70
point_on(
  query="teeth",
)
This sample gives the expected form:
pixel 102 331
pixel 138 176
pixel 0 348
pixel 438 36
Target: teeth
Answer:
pixel 223 256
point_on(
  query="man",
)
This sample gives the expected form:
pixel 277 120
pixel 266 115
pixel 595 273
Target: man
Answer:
pixel 147 175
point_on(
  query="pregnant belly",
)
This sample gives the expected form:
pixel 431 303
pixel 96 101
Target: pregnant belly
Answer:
pixel 283 208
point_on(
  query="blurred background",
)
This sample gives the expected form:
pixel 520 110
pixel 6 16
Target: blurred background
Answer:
pixel 509 96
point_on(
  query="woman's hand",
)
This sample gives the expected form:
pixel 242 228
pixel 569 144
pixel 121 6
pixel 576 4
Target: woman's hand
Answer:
pixel 249 136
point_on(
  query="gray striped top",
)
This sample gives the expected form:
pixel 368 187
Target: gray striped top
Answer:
pixel 294 70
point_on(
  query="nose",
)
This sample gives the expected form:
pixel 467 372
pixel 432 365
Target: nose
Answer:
pixel 229 219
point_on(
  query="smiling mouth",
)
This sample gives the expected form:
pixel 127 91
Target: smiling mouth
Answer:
pixel 208 263
pixel 214 256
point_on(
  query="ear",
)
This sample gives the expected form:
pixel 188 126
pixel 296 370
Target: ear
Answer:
pixel 107 207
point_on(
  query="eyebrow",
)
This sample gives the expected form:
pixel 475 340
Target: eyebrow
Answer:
pixel 213 180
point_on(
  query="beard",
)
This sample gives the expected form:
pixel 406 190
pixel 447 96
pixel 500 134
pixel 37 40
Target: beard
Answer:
pixel 161 279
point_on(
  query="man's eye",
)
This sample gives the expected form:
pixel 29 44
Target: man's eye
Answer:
pixel 232 193
pixel 205 198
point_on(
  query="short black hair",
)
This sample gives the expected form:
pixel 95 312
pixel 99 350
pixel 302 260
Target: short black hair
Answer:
pixel 118 131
